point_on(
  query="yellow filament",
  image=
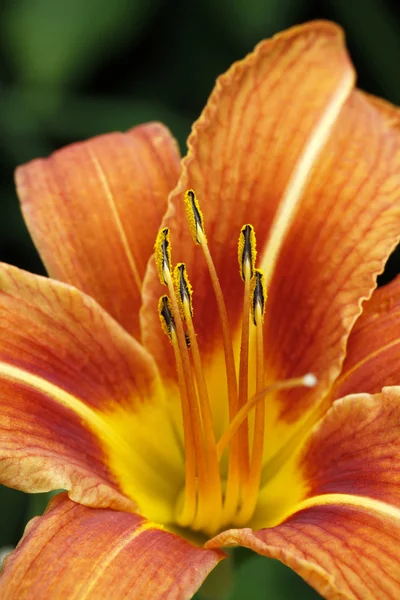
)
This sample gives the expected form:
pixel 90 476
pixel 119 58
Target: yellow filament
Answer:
pixel 232 488
pixel 246 256
pixel 201 516
pixel 190 496
pixel 243 433
pixel 253 483
pixel 196 224
pixel 214 497
pixel 226 334
pixel 188 391
pixel 287 384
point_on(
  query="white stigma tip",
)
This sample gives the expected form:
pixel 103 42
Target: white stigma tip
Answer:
pixel 309 380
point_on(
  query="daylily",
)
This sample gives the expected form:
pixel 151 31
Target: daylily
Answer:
pixel 174 439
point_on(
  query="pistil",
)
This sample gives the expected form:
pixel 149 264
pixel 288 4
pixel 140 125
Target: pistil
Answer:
pixel 307 380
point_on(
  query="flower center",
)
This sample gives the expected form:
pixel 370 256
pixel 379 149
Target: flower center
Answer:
pixel 209 503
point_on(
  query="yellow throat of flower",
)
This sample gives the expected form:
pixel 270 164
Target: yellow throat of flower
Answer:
pixel 208 503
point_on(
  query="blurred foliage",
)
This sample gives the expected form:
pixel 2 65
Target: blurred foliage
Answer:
pixel 56 44
pixel 70 70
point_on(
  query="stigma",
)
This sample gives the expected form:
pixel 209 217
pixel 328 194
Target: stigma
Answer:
pixel 212 497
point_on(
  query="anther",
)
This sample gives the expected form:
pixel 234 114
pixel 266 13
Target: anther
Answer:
pixel 166 316
pixel 183 288
pixel 259 296
pixel 194 216
pixel 162 254
pixel 247 252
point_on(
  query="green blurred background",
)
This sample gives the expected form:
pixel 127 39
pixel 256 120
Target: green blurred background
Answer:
pixel 76 68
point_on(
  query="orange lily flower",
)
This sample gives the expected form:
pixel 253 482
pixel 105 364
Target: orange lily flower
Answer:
pixel 177 438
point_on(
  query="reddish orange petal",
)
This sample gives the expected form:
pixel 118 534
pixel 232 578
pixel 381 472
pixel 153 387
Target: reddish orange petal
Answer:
pixel 373 350
pixel 343 552
pixel 94 209
pixel 78 552
pixel 63 364
pixel 384 299
pixel 348 223
pixel 266 119
pixel 355 449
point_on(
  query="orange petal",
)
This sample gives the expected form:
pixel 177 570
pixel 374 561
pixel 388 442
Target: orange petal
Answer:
pixel 354 451
pixel 63 364
pixel 94 209
pixel 373 350
pixel 384 299
pixel 347 224
pixel 265 121
pixel 341 551
pixel 78 552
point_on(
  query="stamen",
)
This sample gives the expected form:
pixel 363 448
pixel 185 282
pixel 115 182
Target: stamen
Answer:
pixel 247 256
pixel 258 308
pixel 214 498
pixel 196 224
pixel 308 380
pixel 190 494
pixel 163 262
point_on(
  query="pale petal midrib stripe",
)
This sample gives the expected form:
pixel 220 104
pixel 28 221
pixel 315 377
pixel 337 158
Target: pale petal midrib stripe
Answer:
pixel 372 505
pixel 124 540
pixel 113 208
pixel 301 174
pixel 97 424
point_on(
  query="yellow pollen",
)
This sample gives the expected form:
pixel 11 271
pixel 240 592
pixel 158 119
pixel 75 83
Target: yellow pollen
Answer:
pixel 247 251
pixel 194 216
pixel 166 317
pixel 183 288
pixel 162 253
pixel 258 296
